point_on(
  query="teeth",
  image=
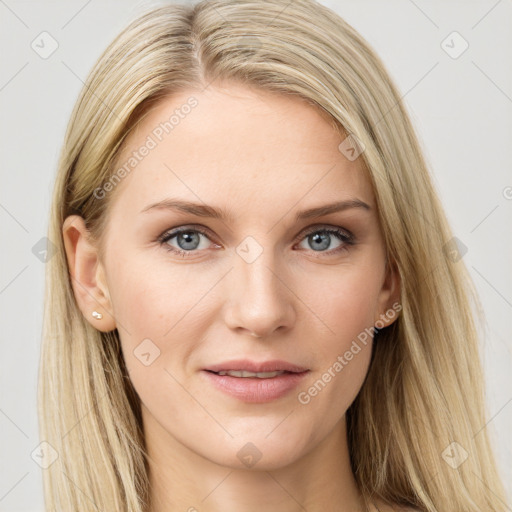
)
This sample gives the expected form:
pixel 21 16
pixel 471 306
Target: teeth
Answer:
pixel 259 375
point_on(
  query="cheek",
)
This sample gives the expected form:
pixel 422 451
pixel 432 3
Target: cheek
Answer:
pixel 164 313
pixel 343 301
pixel 344 305
pixel 152 298
pixel 157 308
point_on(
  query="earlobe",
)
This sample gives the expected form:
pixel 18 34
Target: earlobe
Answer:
pixel 87 275
pixel 389 304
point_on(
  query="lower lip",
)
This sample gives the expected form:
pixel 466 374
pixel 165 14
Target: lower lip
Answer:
pixel 256 390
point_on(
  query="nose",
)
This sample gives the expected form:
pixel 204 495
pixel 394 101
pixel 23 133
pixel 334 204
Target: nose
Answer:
pixel 259 301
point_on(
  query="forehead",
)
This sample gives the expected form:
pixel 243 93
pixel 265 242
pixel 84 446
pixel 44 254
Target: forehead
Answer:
pixel 233 143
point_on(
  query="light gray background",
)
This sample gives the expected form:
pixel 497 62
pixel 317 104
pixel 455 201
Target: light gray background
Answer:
pixel 462 109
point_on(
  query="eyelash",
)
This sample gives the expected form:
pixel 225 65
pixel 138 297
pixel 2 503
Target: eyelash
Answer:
pixel 345 236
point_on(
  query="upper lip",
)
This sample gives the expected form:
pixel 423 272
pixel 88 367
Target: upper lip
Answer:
pixel 256 367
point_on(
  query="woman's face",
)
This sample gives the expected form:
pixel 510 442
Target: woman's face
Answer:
pixel 252 279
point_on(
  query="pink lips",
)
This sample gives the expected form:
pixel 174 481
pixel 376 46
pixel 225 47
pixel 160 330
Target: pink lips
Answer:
pixel 255 389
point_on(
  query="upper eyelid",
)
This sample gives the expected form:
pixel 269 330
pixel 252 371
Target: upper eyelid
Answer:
pixel 324 227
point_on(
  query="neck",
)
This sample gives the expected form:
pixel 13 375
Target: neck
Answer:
pixel 183 480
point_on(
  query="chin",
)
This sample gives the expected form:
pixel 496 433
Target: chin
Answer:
pixel 259 452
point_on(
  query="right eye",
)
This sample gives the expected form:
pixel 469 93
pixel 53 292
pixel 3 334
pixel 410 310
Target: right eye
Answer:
pixel 188 240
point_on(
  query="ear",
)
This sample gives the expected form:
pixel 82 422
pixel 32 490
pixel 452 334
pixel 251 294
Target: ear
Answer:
pixel 87 274
pixel 388 304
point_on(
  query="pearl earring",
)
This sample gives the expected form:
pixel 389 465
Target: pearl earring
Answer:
pixel 97 315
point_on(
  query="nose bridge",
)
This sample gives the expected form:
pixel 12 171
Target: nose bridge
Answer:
pixel 259 301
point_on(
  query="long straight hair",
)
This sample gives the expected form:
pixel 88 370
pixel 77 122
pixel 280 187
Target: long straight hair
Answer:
pixel 424 389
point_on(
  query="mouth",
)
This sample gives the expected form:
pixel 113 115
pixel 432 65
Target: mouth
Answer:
pixel 253 382
pixel 246 374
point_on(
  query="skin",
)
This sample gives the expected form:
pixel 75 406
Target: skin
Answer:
pixel 263 157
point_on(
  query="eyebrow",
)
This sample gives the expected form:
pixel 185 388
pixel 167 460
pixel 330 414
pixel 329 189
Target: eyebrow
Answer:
pixel 203 210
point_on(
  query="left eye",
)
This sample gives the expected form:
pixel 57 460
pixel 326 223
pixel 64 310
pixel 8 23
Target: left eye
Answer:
pixel 189 240
pixel 320 239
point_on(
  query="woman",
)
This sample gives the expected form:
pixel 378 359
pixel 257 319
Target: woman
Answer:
pixel 257 302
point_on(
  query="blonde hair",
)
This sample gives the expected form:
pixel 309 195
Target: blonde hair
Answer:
pixel 424 388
